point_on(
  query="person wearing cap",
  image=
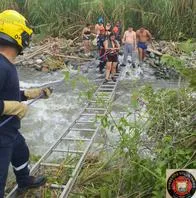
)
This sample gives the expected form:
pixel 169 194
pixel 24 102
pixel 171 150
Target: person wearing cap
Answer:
pixel 15 36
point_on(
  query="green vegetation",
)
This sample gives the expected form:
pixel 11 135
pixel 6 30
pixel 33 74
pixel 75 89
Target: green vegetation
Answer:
pixel 162 138
pixel 158 133
pixel 167 19
pixel 187 72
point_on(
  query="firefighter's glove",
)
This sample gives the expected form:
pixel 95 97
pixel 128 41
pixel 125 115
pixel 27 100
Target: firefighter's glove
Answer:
pixel 36 93
pixel 15 108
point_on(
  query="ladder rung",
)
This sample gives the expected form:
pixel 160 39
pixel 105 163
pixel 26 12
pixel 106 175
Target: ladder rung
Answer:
pixel 92 114
pixel 103 94
pixel 57 186
pixel 102 86
pixel 95 109
pixel 98 102
pixel 75 139
pixel 105 89
pixel 77 129
pixel 83 121
pixel 103 97
pixel 67 151
pixel 56 165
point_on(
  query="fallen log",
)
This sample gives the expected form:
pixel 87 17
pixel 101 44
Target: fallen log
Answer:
pixel 69 57
pixel 33 54
pixel 154 51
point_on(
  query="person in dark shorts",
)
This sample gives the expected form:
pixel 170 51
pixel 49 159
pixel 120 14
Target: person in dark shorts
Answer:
pixel 100 44
pixel 112 47
pixel 143 37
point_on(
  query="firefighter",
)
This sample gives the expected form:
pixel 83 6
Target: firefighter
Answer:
pixel 15 35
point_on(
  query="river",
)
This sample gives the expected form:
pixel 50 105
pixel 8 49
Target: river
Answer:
pixel 48 119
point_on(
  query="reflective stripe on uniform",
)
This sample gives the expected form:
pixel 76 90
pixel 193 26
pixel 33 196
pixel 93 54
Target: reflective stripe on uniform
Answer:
pixel 21 167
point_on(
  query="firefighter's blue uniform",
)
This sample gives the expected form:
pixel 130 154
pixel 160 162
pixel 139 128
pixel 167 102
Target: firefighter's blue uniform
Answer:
pixel 12 144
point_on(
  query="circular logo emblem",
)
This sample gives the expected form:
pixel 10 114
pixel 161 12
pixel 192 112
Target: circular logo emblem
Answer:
pixel 181 184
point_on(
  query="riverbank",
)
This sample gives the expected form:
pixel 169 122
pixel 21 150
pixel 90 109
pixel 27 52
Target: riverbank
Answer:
pixel 54 54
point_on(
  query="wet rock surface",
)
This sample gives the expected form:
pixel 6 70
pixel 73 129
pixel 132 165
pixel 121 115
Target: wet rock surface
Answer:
pixel 160 48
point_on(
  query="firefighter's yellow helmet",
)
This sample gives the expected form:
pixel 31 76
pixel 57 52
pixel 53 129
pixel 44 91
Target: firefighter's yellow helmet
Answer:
pixel 14 29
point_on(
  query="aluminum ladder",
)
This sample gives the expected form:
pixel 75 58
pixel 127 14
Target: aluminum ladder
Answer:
pixel 85 123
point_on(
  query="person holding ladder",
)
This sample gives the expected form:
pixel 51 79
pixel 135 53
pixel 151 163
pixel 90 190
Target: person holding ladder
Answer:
pixel 15 35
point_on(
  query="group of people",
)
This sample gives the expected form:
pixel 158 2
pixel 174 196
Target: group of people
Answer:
pixel 135 40
pixel 109 41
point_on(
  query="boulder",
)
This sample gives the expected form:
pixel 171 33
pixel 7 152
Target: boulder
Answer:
pixel 30 62
pixel 45 68
pixel 39 61
pixel 38 67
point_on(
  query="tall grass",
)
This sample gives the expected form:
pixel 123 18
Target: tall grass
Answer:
pixel 8 4
pixel 167 19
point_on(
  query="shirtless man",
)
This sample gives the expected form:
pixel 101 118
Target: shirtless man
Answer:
pixel 143 37
pixel 129 41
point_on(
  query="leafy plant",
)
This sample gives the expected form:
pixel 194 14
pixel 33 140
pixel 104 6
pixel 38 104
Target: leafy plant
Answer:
pixel 137 165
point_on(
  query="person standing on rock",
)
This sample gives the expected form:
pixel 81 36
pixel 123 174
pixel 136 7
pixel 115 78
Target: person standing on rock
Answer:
pixel 143 38
pixel 130 44
pixel 86 35
pixel 15 35
pixel 112 47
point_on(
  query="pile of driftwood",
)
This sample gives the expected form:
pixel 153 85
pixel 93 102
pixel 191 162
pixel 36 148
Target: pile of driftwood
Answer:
pixel 51 54
pixel 160 70
pixel 171 48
